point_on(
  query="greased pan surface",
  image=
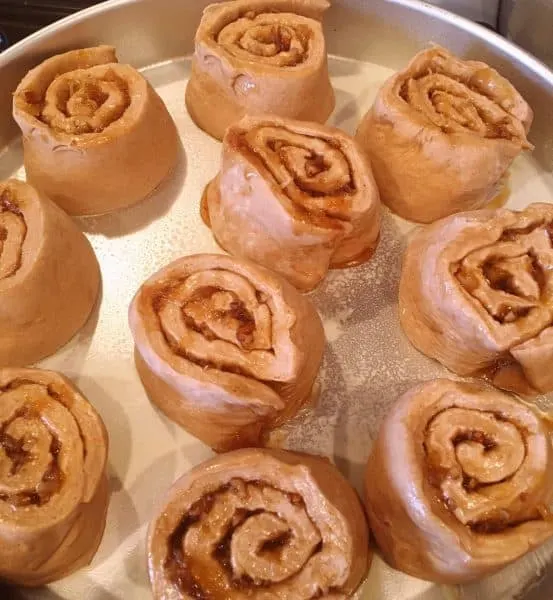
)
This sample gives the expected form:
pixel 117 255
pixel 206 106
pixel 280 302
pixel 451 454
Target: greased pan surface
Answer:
pixel 368 362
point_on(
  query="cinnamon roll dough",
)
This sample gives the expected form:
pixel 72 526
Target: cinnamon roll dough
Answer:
pixel 476 294
pixel 225 348
pixel 442 134
pixel 259 524
pixel 259 56
pixel 296 197
pixel 53 485
pixel 49 276
pixel 96 136
pixel 459 482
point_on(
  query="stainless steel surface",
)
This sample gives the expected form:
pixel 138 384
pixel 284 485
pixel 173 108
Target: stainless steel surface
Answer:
pixel 482 11
pixel 529 23
pixel 368 362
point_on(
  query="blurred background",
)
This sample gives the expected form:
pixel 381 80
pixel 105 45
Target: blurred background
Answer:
pixel 19 18
pixel 529 23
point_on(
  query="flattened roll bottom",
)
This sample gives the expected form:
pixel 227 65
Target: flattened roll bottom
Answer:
pixel 358 260
pixel 211 195
pixel 254 434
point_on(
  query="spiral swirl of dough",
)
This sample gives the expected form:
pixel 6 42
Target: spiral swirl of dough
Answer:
pixel 96 135
pixel 222 347
pixel 476 293
pixel 266 38
pixel 441 135
pixel 458 97
pixel 295 197
pixel 459 482
pixel 85 100
pixel 259 524
pixel 53 490
pixel 259 57
pixel 49 276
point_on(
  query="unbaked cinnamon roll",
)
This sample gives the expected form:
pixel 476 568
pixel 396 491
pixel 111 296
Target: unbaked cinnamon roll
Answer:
pixel 225 348
pixel 49 276
pixel 459 482
pixel 96 136
pixel 53 485
pixel 259 524
pixel 476 294
pixel 259 56
pixel 442 134
pixel 296 197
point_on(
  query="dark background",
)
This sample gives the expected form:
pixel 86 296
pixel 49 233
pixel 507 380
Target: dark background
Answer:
pixel 19 18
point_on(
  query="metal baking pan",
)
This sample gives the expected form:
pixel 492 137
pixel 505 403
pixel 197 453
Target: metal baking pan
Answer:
pixel 368 362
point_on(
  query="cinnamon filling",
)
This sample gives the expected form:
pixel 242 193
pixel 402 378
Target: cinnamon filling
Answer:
pixel 262 36
pixel 176 563
pixel 516 280
pixel 236 311
pixel 15 450
pixel 462 102
pixel 273 546
pixel 223 552
pixel 83 98
pixel 182 571
pixel 475 436
pixel 246 326
pixel 437 475
pixel 208 306
pixel 500 278
pixel 272 38
pixel 318 180
pixel 315 164
pixel 84 104
pixel 19 452
pixel 495 525
pixel 13 231
pixel 514 234
pixel 8 202
pixel 34 102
